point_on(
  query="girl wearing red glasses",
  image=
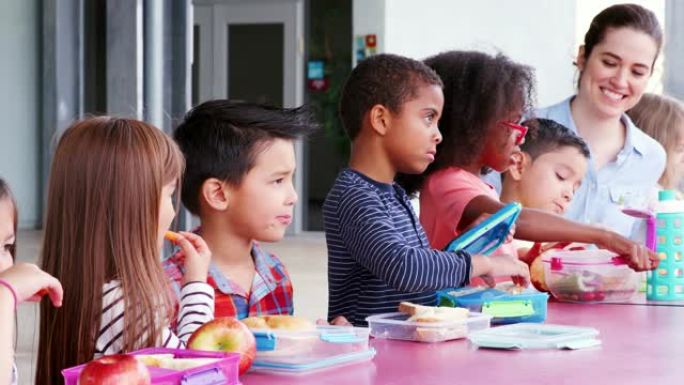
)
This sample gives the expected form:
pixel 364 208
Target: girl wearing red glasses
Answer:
pixel 615 63
pixel 484 99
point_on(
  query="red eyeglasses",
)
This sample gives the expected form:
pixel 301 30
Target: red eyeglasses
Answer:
pixel 521 131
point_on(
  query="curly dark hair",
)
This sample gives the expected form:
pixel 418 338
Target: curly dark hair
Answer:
pixel 386 79
pixel 479 90
pixel 221 139
pixel 546 135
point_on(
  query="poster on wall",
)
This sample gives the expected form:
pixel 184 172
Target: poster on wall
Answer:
pixel 365 46
pixel 315 76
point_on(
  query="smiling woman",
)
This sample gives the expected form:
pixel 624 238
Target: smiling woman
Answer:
pixel 615 64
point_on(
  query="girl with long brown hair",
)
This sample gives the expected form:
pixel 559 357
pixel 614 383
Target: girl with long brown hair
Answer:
pixel 110 201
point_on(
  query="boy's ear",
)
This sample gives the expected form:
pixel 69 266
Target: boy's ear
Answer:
pixel 379 117
pixel 521 162
pixel 580 61
pixel 215 193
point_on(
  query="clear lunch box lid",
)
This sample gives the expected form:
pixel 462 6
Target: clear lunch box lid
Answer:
pixel 313 366
pixel 283 351
pixel 536 336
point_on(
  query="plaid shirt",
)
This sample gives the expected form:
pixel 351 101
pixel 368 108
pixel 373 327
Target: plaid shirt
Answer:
pixel 271 291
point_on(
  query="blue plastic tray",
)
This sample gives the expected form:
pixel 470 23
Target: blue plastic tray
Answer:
pixel 488 235
pixel 504 307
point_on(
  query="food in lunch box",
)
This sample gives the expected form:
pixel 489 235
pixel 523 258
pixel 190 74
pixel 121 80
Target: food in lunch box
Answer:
pixel 186 363
pixel 515 289
pixel 420 313
pixel 153 359
pixel 226 334
pixel 168 361
pixel 115 370
pixel 589 276
pixel 436 314
pixel 279 322
pixel 591 287
pixel 534 259
pixel 440 334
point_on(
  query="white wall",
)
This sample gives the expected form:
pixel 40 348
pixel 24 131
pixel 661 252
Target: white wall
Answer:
pixel 368 18
pixel 539 33
pixel 542 33
pixel 19 107
pixel 674 49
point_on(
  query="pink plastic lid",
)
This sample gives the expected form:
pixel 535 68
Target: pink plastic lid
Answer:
pixel 582 258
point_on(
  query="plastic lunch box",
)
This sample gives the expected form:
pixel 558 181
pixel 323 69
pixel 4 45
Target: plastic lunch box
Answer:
pixel 504 306
pixel 395 326
pixel 536 336
pixel 222 372
pixel 589 276
pixel 300 352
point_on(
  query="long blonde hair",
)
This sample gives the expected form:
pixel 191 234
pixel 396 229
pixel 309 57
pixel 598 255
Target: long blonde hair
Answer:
pixel 102 223
pixel 662 117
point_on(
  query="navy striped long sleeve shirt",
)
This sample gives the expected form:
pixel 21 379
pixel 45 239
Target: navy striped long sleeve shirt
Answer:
pixel 378 253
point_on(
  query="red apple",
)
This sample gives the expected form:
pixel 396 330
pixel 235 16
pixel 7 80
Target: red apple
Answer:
pixel 537 275
pixel 226 334
pixel 114 370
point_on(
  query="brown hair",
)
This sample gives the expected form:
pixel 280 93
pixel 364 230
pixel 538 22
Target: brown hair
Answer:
pixel 662 118
pixel 618 16
pixel 104 196
pixel 6 193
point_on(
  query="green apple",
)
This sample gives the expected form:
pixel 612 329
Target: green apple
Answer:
pixel 226 334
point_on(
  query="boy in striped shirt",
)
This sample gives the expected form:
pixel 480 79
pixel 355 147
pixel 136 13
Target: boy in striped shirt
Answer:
pixel 240 163
pixel 378 253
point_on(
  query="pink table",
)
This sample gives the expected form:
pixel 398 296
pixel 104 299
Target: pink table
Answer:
pixel 641 345
pixel 640 299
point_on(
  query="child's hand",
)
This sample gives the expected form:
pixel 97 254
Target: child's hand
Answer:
pixel 337 321
pixel 31 283
pixel 197 256
pixel 638 256
pixel 481 218
pixel 340 321
pixel 518 270
pixel 511 233
pixel 501 266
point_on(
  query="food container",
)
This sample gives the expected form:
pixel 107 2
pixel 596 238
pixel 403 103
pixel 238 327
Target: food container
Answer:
pixel 395 326
pixel 536 336
pixel 589 276
pixel 298 352
pixel 223 371
pixel 504 303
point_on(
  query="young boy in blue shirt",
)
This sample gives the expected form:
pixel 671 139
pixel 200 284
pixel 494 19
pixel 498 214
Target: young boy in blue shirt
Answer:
pixel 378 253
